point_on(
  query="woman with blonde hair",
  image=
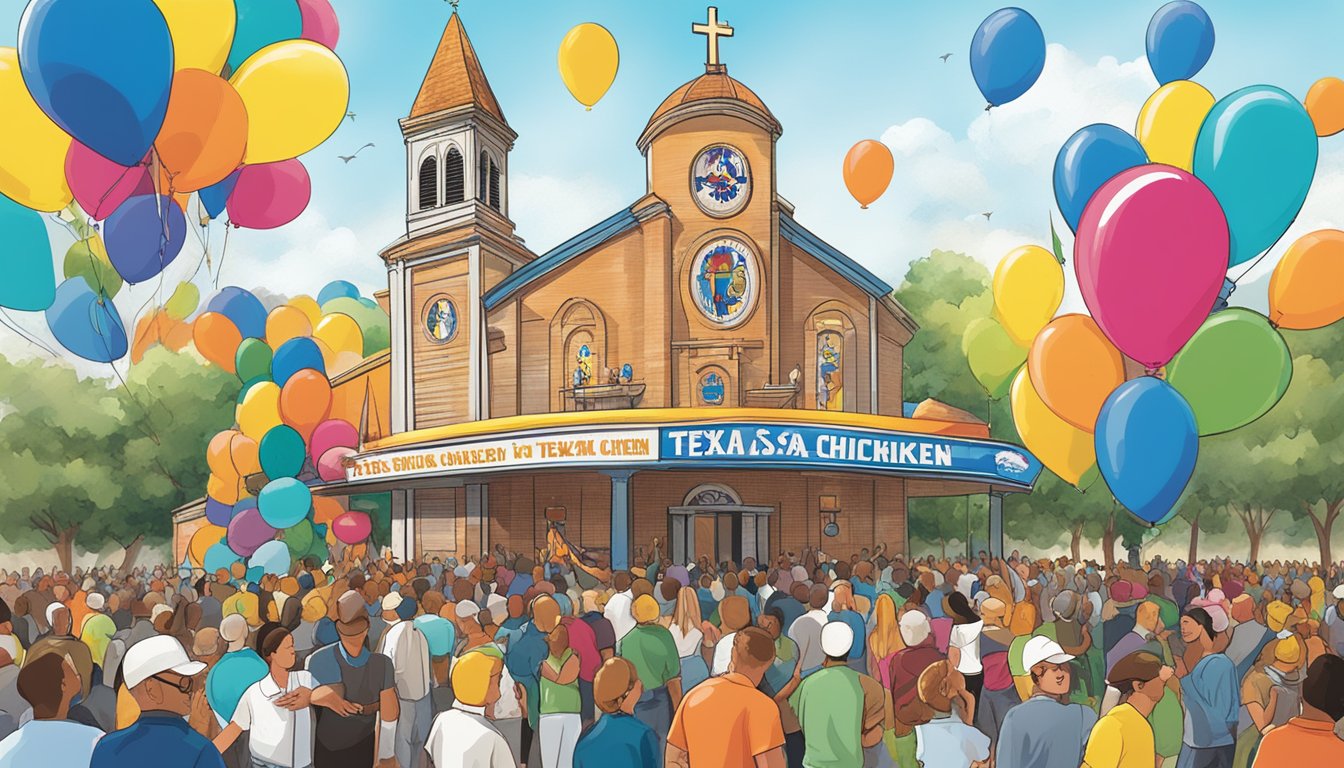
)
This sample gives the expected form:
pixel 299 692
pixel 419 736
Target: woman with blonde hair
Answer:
pixel 688 633
pixel 885 639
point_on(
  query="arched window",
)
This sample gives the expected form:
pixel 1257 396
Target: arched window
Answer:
pixel 454 178
pixel 494 185
pixel 830 371
pixel 835 369
pixel 483 178
pixel 429 183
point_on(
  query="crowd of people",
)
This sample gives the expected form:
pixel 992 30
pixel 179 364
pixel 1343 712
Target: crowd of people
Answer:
pixel 551 659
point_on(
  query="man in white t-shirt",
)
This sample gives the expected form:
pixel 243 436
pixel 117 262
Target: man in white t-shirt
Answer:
pixel 618 606
pixel 806 631
pixel 465 736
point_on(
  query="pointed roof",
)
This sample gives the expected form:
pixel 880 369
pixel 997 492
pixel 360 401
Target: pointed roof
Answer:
pixel 455 77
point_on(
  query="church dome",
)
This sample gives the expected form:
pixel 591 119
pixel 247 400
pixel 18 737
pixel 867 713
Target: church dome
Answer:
pixel 715 92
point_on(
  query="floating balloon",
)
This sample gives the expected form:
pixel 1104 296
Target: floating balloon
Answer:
pixel 1089 158
pixel 330 434
pixel 29 282
pixel 309 307
pixel 32 156
pixel 204 132
pixel 1232 371
pixel 218 513
pixel 1074 368
pixel 333 290
pixel 374 324
pixel 1150 257
pixel 253 360
pixel 248 531
pixel 341 333
pixel 319 22
pixel 101 71
pixel 285 323
pixel 1147 444
pixel 202 540
pixel 305 401
pixel 1325 105
pixel 588 60
pixel 144 236
pixel 1180 41
pixel 245 310
pixel 352 527
pixel 225 489
pixel 217 339
pixel 185 299
pixel 294 356
pixel 1063 448
pixel 270 195
pixel 245 454
pixel 1305 290
pixel 218 456
pixel 1169 122
pixel 215 198
pixel 296 94
pixel 218 558
pixel 284 502
pixel 282 453
pixel 299 539
pixel 261 23
pixel 1007 55
pixel 99 185
pixel 331 467
pixel 1028 288
pixel 326 509
pixel 88 259
pixel 867 171
pixel 993 356
pixel 202 31
pixel 260 410
pixel 1257 152
pixel 272 558
pixel 86 324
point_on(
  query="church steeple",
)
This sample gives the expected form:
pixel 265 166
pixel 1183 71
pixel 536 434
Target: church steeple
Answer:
pixel 455 77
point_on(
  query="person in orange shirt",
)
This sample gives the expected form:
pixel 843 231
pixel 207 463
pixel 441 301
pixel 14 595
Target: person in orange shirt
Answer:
pixel 1309 738
pixel 726 721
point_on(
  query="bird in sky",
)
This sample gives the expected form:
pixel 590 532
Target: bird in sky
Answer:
pixel 987 214
pixel 351 116
pixel 348 158
pixel 945 57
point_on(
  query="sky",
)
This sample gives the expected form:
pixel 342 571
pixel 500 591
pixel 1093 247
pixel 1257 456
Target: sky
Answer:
pixel 832 73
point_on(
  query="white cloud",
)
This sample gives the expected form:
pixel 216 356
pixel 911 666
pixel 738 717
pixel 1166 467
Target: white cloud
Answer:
pixel 549 210
pixel 309 252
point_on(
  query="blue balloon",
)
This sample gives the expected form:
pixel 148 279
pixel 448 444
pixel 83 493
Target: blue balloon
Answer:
pixel 101 70
pixel 1007 55
pixel 294 356
pixel 218 556
pixel 245 310
pixel 1147 444
pixel 1257 152
pixel 335 290
pixel 271 557
pixel 1180 40
pixel 85 323
pixel 284 502
pixel 29 281
pixel 260 23
pixel 217 512
pixel 144 235
pixel 215 198
pixel 1089 159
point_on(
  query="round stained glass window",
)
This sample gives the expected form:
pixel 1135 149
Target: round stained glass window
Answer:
pixel 440 321
pixel 724 281
pixel 720 180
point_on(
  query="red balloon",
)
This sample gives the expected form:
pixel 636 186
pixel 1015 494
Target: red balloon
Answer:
pixel 270 195
pixel 331 434
pixel 352 527
pixel 99 185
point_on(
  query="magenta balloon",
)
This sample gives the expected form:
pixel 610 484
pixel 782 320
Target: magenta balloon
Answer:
pixel 247 532
pixel 319 22
pixel 100 186
pixel 1151 253
pixel 329 465
pixel 270 195
pixel 330 434
pixel 352 527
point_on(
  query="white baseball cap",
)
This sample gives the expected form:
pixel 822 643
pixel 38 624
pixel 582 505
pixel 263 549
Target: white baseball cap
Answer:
pixel 1042 649
pixel 837 638
pixel 467 609
pixel 1339 592
pixel 156 655
pixel 391 600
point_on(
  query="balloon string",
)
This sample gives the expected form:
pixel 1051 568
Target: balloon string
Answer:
pixel 1265 253
pixel 223 252
pixel 26 335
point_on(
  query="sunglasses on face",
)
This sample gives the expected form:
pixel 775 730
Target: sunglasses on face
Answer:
pixel 183 684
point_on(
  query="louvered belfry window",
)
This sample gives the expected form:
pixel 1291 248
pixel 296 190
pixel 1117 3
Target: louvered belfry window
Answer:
pixel 454 178
pixel 429 183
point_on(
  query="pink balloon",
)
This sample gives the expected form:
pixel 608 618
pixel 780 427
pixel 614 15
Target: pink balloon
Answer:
pixel 247 532
pixel 329 465
pixel 1151 254
pixel 319 22
pixel 100 186
pixel 270 195
pixel 332 433
pixel 352 527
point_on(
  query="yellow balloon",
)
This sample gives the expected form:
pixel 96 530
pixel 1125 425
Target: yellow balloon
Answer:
pixel 260 410
pixel 1028 287
pixel 340 333
pixel 32 152
pixel 309 307
pixel 204 538
pixel 296 93
pixel 202 32
pixel 284 323
pixel 588 61
pixel 1065 449
pixel 1170 120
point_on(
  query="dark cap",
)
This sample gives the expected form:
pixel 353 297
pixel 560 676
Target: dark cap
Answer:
pixel 352 616
pixel 1137 667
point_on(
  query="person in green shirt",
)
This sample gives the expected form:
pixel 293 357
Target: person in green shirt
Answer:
pixel 830 706
pixel 560 723
pixel 653 651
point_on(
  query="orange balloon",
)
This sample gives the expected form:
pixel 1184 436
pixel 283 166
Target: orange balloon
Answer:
pixel 219 456
pixel 223 490
pixel 152 329
pixel 1325 104
pixel 204 538
pixel 244 454
pixel 1074 368
pixel 204 133
pixel 285 323
pixel 326 509
pixel 1306 289
pixel 178 337
pixel 217 339
pixel 868 168
pixel 305 401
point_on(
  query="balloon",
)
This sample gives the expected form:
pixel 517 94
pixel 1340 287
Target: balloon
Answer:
pixel 101 71
pixel 1073 367
pixel 293 356
pixel 202 31
pixel 252 360
pixel 330 467
pixel 270 195
pixel 218 513
pixel 331 434
pixel 245 453
pixel 245 310
pixel 1305 288
pixel 1146 447
pixel 215 198
pixel 144 236
pixel 333 290
pixel 225 489
pixel 284 502
pixel 319 22
pixel 260 410
pixel 248 531
pixel 867 171
pixel 341 333
pixel 992 355
pixel 309 307
pixel 588 60
pixel 86 324
pixel 99 185
pixel 29 282
pixel 1150 256
pixel 88 259
pixel 261 23
pixel 1062 447
pixel 217 339
pixel 1180 40
pixel 1089 159
pixel 1028 288
pixel 352 527
pixel 218 557
pixel 326 509
pixel 218 456
pixel 32 156
pixel 204 133
pixel 296 94
pixel 299 539
pixel 1325 105
pixel 1257 152
pixel 1170 120
pixel 271 557
pixel 305 401
pixel 374 324
pixel 1007 55
pixel 1232 371
pixel 282 453
pixel 185 299
pixel 285 323
pixel 202 540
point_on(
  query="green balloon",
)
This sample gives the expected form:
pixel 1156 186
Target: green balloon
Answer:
pixel 1232 371
pixel 993 357
pixel 370 317
pixel 299 539
pixel 253 360
pixel 88 259
pixel 185 299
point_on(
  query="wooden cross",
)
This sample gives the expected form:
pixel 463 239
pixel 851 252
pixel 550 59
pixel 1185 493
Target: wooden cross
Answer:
pixel 712 30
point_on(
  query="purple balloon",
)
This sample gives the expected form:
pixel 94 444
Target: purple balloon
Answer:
pixel 247 532
pixel 144 235
pixel 269 195
pixel 332 433
pixel 217 512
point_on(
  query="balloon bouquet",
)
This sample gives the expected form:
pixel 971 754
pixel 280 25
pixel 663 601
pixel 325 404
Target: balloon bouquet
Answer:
pixel 291 431
pixel 118 112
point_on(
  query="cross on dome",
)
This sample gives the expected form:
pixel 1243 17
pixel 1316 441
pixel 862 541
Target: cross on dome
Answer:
pixel 712 30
